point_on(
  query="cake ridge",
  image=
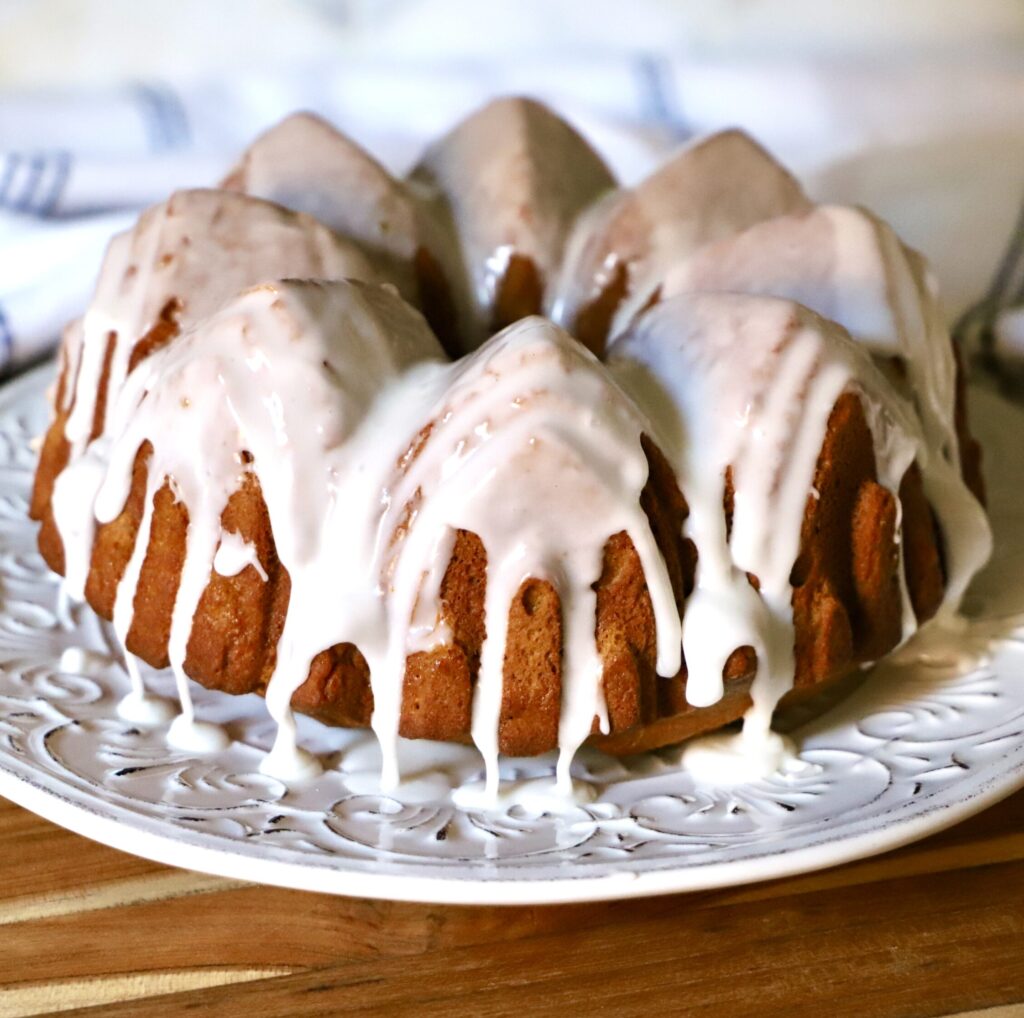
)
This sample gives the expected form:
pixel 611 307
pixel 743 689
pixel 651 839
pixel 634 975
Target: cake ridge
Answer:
pixel 773 371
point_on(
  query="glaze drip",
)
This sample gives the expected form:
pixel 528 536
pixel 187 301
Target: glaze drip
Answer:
pixel 386 221
pixel 712 188
pixel 314 381
pixel 746 385
pixel 851 268
pixel 533 413
pixel 372 451
pixel 499 183
pixel 182 259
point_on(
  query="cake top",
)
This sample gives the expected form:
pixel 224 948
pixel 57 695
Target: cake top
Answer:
pixel 512 178
pixel 712 188
pixel 743 387
pixel 371 452
pixel 842 262
pixel 199 246
pixel 305 164
pixel 179 263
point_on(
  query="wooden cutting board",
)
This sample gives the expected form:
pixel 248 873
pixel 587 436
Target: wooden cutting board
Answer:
pixel 933 929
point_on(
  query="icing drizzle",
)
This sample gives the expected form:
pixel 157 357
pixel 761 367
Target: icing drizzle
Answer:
pixel 747 384
pixel 327 386
pixel 371 450
pixel 181 260
pixel 851 268
pixel 534 413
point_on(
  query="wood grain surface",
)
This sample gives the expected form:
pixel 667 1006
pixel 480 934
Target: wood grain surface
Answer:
pixel 936 928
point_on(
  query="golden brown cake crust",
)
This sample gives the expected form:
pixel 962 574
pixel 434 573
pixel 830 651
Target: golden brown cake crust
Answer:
pixel 846 605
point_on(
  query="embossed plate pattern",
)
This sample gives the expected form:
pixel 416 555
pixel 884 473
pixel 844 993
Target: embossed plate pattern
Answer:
pixel 923 742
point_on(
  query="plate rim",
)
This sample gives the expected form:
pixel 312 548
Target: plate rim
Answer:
pixel 508 887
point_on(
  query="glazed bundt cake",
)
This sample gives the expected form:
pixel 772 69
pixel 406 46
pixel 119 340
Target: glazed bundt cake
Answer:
pixel 738 475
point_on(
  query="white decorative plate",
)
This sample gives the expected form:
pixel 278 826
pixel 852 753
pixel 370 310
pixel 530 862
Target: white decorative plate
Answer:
pixel 922 743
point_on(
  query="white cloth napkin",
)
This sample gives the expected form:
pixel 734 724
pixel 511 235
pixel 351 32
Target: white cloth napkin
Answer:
pixel 938 149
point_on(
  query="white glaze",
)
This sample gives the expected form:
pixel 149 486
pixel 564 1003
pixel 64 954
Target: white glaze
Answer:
pixel 749 384
pixel 530 409
pixel 196 736
pixel 285 373
pixel 850 267
pixel 234 554
pixel 429 770
pixel 532 412
pixel 736 758
pixel 712 188
pixel 69 358
pixel 78 661
pixel 197 248
pixel 139 706
pixel 341 185
pixel 287 761
pixel 535 796
pixel 143 709
pixel 432 772
pixel 512 177
pixel 973 711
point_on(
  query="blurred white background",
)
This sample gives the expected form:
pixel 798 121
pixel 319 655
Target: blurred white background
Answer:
pixel 915 108
pixel 66 42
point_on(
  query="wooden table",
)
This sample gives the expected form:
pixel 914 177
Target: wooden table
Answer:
pixel 933 929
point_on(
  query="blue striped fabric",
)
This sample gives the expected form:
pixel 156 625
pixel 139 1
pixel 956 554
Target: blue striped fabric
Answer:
pixel 164 114
pixel 32 182
pixel 661 104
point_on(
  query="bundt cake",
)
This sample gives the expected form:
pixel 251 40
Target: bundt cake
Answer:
pixel 731 466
